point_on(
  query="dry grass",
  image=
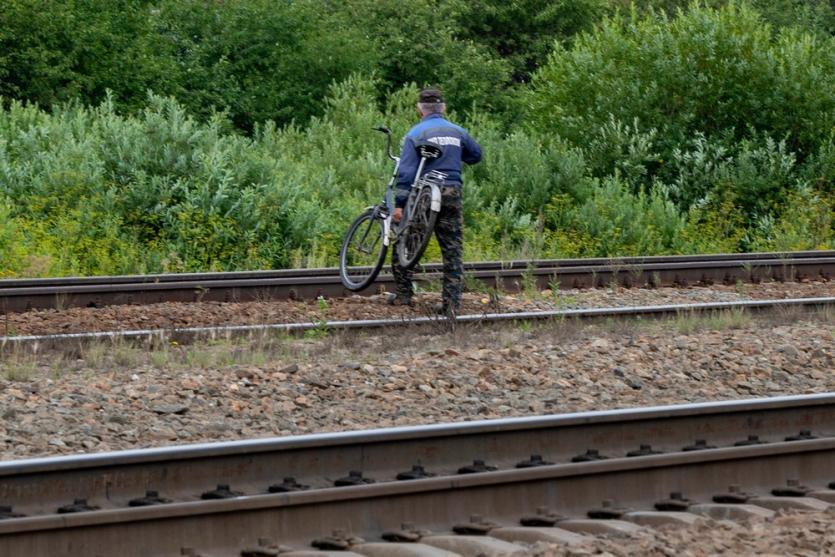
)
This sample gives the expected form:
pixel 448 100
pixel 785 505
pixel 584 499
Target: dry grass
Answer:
pixel 22 368
pixel 339 346
pixel 19 364
pixel 736 318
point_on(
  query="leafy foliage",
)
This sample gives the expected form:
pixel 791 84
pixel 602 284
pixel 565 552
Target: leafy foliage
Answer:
pixel 258 60
pixel 715 72
pixel 55 50
pixel 523 32
pixel 658 131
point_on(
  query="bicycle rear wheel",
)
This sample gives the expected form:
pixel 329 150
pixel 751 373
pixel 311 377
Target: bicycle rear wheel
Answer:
pixel 363 251
pixel 415 237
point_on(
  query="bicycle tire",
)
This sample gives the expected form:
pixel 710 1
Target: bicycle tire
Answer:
pixel 359 267
pixel 415 236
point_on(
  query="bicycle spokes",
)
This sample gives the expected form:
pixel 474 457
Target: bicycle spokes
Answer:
pixel 363 251
pixel 421 221
pixel 364 247
pixel 369 241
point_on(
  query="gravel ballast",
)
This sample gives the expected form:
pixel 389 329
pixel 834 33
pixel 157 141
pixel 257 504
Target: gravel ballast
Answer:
pixel 106 397
pixel 790 533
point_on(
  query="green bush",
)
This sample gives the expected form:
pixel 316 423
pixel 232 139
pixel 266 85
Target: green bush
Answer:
pixel 714 224
pixel 13 248
pixel 55 51
pixel 804 222
pixel 756 173
pixel 707 132
pixel 715 72
pixel 257 59
pixel 522 32
pixel 819 168
pixel 816 16
pixel 616 222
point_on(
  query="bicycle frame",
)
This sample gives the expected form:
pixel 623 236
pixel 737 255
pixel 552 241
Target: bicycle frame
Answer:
pixel 420 181
pixel 388 199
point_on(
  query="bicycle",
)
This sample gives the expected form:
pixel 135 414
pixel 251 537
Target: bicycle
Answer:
pixel 365 244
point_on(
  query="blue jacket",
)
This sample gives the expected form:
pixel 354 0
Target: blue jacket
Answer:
pixel 455 142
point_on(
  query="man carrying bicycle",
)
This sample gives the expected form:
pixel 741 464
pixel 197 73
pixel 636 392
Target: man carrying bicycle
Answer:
pixel 457 146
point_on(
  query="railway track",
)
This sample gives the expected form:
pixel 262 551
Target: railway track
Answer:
pixel 416 491
pixel 17 295
pixel 191 334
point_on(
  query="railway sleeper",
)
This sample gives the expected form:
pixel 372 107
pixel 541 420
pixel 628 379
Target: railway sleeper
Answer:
pixel 514 541
pixel 481 536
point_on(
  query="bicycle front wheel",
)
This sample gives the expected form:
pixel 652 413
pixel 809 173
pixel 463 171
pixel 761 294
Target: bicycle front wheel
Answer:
pixel 363 251
pixel 418 230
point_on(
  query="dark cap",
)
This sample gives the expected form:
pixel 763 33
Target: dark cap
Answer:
pixel 430 96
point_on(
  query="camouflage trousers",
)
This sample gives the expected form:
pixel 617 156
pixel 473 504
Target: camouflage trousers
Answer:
pixel 448 231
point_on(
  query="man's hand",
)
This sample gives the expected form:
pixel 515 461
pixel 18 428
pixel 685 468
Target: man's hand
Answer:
pixel 397 215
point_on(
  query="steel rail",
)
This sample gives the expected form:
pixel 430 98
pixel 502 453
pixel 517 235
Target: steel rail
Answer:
pixel 190 334
pixel 522 264
pixel 437 503
pixel 36 487
pixel 23 294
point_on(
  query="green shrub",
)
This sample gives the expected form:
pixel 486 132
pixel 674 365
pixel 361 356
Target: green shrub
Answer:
pixel 13 249
pixel 804 222
pixel 716 72
pixel 714 224
pixel 523 31
pixel 819 169
pixel 256 59
pixel 616 222
pixel 96 191
pixel 61 50
pixel 816 16
pixel 623 149
pixel 756 173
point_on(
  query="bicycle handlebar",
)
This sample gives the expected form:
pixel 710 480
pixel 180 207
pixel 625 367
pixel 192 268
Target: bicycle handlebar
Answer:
pixel 386 131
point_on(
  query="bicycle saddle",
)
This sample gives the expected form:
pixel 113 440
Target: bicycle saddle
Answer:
pixel 428 150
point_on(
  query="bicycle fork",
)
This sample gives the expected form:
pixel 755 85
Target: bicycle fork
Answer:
pixel 387 221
